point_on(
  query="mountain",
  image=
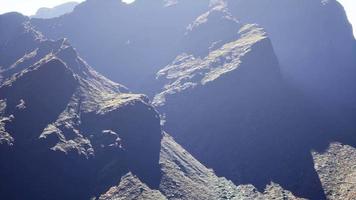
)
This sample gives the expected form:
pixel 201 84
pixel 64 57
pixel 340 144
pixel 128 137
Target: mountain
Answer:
pixel 142 36
pixel 17 39
pixel 67 132
pixel 46 13
pixel 183 177
pixel 314 44
pixel 232 109
pixel 262 92
pixel 49 105
pixel 312 39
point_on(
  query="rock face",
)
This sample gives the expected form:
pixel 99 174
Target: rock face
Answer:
pixel 314 44
pixel 61 121
pixel 269 107
pixel 337 171
pixel 66 132
pixel 312 39
pixel 46 13
pixel 183 177
pixel 234 111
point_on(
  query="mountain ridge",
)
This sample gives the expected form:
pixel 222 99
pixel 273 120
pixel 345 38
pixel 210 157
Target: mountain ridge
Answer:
pixel 230 92
pixel 90 134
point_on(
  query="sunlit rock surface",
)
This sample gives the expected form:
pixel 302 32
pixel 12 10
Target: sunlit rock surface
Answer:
pixel 270 107
pixel 232 108
pixel 183 177
pixel 337 171
pixel 66 132
pixel 62 121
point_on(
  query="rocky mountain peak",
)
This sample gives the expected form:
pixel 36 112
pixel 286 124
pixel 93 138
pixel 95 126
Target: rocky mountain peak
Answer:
pixel 260 91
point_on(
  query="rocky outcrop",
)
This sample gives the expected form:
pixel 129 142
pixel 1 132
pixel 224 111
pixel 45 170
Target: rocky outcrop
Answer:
pixel 233 110
pixel 69 122
pixel 337 171
pixel 62 121
pixel 183 177
pixel 202 35
pixel 66 132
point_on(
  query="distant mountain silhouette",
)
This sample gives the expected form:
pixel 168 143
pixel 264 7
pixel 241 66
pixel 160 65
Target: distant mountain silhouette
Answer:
pixel 46 13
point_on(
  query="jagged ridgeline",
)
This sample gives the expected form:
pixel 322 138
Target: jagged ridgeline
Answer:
pixel 263 92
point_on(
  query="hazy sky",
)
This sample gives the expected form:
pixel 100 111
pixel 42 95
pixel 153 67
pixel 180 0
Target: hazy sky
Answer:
pixel 29 7
pixel 350 7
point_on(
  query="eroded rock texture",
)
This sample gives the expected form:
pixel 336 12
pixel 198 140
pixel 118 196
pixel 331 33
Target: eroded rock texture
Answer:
pixel 270 107
pixel 337 171
pixel 68 132
pixel 232 108
pixel 183 177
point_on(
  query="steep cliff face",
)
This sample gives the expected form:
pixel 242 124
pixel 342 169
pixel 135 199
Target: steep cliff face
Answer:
pixel 314 43
pixel 202 34
pixel 233 110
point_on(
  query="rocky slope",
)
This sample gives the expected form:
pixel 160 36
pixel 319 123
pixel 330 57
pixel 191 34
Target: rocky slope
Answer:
pixel 223 90
pixel 66 132
pixel 312 39
pixel 62 121
pixel 183 177
pixel 233 110
pixel 337 171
